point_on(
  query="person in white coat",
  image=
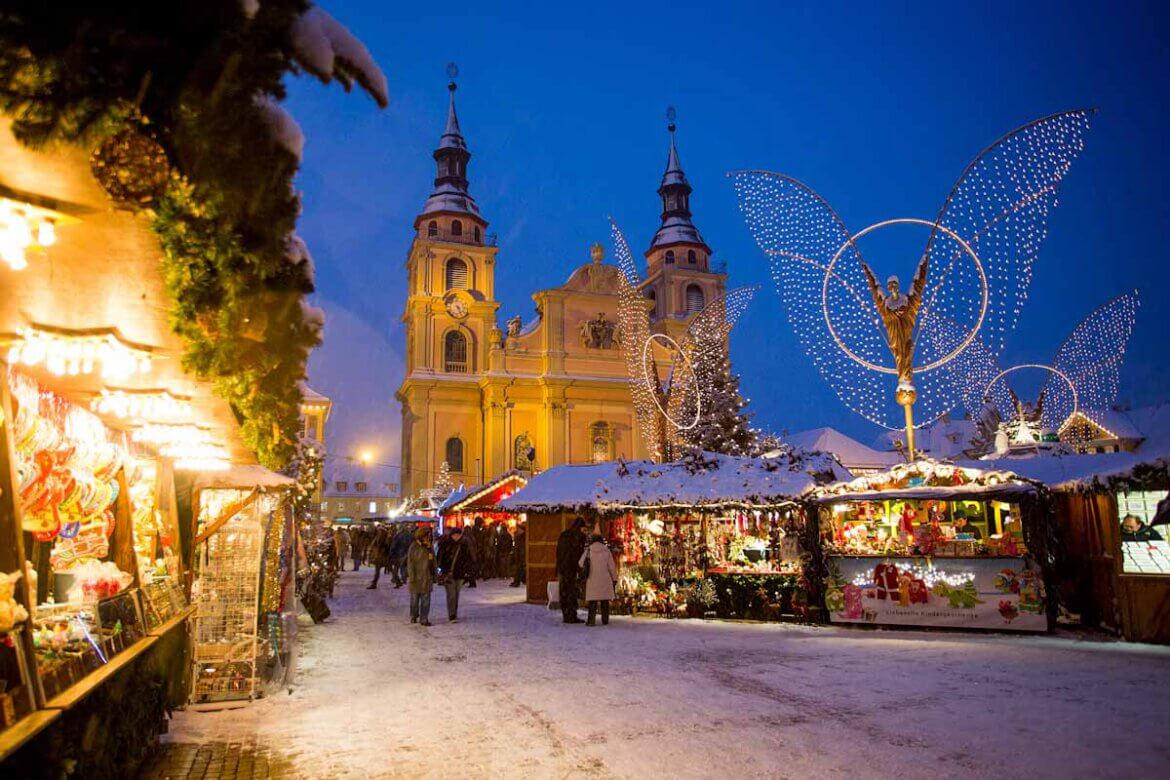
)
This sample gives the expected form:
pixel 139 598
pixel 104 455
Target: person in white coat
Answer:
pixel 600 580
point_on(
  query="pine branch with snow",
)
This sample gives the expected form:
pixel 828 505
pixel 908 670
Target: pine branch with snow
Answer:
pixel 327 49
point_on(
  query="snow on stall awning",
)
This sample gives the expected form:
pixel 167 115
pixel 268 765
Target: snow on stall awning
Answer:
pixel 709 481
pixel 242 478
pixel 927 479
pixel 478 497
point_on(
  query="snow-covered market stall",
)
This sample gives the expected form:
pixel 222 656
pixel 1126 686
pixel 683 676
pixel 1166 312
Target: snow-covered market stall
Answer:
pixel 244 587
pixel 1115 527
pixel 465 505
pixel 709 535
pixel 936 544
pixel 153 324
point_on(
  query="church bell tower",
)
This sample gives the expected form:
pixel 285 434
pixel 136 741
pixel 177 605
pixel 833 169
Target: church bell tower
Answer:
pixel 679 280
pixel 450 320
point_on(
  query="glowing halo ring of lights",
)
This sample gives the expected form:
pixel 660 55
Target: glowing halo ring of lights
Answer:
pixel 1042 367
pixel 651 384
pixel 906 221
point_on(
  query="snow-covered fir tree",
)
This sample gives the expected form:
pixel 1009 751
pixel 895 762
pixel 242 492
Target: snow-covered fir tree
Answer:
pixel 444 483
pixel 723 419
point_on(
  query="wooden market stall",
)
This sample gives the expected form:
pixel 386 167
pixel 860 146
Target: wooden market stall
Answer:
pixel 1116 572
pixel 91 380
pixel 707 535
pixel 244 585
pixel 466 505
pixel 935 544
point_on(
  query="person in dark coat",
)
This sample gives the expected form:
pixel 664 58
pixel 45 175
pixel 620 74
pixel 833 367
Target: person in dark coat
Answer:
pixel 570 547
pixel 520 556
pixel 1134 530
pixel 456 564
pixel 420 569
pixel 503 550
pixel 379 554
pixel 399 547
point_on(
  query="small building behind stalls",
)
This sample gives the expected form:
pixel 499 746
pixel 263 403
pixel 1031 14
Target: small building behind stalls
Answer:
pixel 678 528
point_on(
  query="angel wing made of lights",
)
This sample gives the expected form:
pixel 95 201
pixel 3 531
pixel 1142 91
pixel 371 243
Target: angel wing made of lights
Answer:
pixel 998 207
pixel 1090 360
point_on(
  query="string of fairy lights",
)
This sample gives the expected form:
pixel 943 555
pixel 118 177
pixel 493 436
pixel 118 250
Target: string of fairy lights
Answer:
pixel 980 253
pixel 668 408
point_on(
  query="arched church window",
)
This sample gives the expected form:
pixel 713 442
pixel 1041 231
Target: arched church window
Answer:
pixel 455 454
pixel 455 352
pixel 691 256
pixel 475 232
pixel 695 299
pixel 600 441
pixel 456 227
pixel 669 256
pixel 456 274
pixel 432 229
pixel 653 298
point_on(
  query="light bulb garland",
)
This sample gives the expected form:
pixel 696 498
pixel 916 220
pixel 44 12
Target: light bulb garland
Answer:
pixel 145 406
pixel 998 209
pixel 70 354
pixel 24 227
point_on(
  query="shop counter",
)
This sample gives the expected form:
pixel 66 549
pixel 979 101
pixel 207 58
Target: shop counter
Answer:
pixel 981 592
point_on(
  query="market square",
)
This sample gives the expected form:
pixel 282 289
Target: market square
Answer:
pixel 622 391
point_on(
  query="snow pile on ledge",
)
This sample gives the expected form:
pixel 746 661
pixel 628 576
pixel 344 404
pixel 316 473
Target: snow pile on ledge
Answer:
pixel 327 49
pixel 706 480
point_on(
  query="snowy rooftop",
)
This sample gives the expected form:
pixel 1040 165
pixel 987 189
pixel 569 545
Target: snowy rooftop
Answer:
pixel 448 197
pixel 717 480
pixel 930 479
pixel 848 450
pixel 677 230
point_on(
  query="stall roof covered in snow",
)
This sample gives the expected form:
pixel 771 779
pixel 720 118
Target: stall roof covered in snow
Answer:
pixel 708 480
pixel 852 453
pixel 1060 470
pixel 242 478
pixel 929 479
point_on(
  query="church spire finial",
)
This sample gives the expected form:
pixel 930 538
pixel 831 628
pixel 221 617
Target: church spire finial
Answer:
pixel 675 192
pixel 451 193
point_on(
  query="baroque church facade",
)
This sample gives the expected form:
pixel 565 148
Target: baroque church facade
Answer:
pixel 485 399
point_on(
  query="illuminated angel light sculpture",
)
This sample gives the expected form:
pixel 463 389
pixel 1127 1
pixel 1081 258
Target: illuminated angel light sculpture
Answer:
pixel 1083 376
pixel 971 280
pixel 669 404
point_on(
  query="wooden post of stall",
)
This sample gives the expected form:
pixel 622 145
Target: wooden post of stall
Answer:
pixel 11 534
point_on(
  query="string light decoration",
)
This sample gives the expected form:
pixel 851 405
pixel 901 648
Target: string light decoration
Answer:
pixel 144 406
pixel 24 227
pixel 68 354
pixel 979 256
pixel 1084 374
pixel 668 410
pixel 158 434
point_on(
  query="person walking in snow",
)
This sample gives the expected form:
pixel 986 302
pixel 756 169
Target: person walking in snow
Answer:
pixel 520 556
pixel 399 547
pixel 379 554
pixel 601 574
pixel 503 550
pixel 420 573
pixel 340 546
pixel 570 546
pixel 455 566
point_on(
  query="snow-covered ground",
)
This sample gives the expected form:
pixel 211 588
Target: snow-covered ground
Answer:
pixel 510 691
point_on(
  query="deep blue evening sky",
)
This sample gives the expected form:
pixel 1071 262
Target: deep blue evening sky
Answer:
pixel 877 106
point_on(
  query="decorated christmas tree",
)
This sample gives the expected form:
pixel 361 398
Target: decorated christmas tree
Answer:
pixel 444 483
pixel 723 422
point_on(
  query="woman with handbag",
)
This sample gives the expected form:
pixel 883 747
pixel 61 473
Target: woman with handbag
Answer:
pixel 600 575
